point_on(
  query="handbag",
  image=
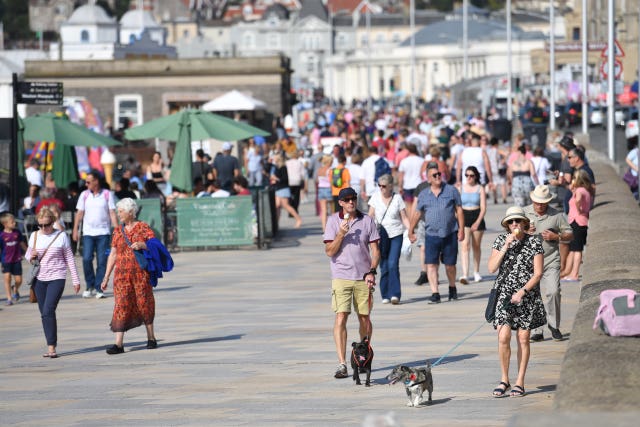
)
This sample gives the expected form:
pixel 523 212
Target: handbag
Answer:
pixel 139 254
pixel 32 275
pixel 490 311
pixel 632 181
pixel 619 313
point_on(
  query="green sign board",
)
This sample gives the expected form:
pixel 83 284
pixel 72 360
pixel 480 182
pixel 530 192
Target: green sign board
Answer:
pixel 208 221
pixel 151 213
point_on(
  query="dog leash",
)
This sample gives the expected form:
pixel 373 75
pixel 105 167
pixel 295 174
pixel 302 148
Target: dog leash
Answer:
pixel 437 362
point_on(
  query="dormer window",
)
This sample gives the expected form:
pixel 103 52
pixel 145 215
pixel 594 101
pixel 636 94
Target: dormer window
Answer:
pixel 84 36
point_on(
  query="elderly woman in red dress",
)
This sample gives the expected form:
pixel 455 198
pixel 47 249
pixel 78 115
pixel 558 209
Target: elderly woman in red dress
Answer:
pixel 134 302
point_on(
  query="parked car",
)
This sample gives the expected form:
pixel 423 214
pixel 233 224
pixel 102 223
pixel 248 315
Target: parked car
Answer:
pixel 618 116
pixel 631 127
pixel 536 115
pixel 596 116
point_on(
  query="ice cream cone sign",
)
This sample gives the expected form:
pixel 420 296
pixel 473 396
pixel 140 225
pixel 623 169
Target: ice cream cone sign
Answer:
pixel 108 161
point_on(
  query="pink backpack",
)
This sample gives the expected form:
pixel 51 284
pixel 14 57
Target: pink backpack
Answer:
pixel 619 313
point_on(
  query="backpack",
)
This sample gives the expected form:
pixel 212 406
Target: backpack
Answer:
pixel 336 177
pixel 382 168
pixel 619 313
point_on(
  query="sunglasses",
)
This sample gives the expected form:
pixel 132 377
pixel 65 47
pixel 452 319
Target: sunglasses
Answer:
pixel 436 175
pixel 382 186
pixel 349 199
pixel 570 157
pixel 49 224
pixel 514 221
pixel 470 176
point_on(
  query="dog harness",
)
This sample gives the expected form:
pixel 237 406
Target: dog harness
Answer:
pixel 361 361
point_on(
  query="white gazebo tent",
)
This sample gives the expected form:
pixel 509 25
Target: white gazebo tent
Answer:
pixel 234 101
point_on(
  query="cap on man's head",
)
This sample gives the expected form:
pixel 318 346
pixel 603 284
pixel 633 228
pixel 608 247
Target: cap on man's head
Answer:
pixel 226 146
pixel 347 192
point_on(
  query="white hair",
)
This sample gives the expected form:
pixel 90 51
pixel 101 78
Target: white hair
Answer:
pixel 128 205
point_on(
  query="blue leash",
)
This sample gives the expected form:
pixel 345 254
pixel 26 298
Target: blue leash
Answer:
pixel 437 362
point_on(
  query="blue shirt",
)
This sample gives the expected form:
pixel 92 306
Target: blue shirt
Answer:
pixel 440 212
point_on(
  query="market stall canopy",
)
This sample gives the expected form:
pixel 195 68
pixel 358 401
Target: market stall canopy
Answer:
pixel 234 101
pixel 186 126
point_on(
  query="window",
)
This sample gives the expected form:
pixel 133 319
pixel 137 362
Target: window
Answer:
pixel 249 41
pixel 364 40
pixel 311 64
pixel 575 33
pixel 396 38
pixel 127 110
pixel 84 36
pixel 273 41
pixel 380 38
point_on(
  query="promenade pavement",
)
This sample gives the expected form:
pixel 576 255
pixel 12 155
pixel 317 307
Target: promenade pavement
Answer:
pixel 245 338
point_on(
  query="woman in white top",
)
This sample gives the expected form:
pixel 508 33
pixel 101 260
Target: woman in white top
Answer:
pixel 53 250
pixel 355 172
pixel 388 211
pixel 540 164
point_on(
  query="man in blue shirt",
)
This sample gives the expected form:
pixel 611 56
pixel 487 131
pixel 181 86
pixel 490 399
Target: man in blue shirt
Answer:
pixel 444 228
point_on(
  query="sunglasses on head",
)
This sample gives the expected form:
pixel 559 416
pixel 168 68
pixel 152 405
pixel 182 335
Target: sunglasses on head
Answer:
pixel 349 199
pixel 514 221
pixel 49 224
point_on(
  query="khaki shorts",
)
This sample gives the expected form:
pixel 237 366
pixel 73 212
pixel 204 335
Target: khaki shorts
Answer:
pixel 345 291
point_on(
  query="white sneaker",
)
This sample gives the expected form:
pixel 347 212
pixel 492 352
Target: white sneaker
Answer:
pixel 86 294
pixel 477 277
pixel 100 295
pixel 93 292
pixel 385 301
pixel 395 300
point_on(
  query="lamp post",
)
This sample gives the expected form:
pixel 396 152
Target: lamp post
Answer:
pixel 552 67
pixel 509 71
pixel 412 23
pixel 611 136
pixel 585 88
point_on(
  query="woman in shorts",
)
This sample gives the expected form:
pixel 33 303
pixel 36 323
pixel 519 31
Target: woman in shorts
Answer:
pixel 474 204
pixel 579 207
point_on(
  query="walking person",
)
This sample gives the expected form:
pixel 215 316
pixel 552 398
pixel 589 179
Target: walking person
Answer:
pixel 552 227
pixel 351 241
pixel 51 248
pixel 296 175
pixel 474 206
pixel 389 212
pixel 323 183
pixel 280 181
pixel 522 176
pixel 12 244
pixel 97 213
pixel 579 208
pixel 444 228
pixel 518 258
pixel 134 302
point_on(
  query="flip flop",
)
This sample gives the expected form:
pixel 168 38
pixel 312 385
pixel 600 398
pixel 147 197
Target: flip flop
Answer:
pixel 499 391
pixel 53 355
pixel 570 280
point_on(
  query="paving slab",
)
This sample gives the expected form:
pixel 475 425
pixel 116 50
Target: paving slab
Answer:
pixel 245 338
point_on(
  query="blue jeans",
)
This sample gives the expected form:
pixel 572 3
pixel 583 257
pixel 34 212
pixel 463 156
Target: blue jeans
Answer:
pixel 99 245
pixel 48 294
pixel 390 270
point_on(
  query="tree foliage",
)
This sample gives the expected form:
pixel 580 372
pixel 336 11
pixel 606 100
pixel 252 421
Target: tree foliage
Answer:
pixel 15 18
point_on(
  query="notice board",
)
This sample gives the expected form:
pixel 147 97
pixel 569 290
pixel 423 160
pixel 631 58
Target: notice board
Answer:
pixel 208 221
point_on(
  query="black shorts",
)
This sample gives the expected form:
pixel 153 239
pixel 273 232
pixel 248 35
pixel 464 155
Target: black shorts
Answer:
pixel 471 216
pixel 579 237
pixel 14 268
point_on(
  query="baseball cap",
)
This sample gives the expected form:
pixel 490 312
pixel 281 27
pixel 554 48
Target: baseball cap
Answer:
pixel 347 192
pixel 226 146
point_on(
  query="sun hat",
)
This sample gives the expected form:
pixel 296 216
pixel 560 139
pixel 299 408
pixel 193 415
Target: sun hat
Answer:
pixel 514 212
pixel 347 192
pixel 541 194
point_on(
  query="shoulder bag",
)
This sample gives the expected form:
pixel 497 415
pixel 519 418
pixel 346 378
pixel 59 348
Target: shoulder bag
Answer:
pixel 139 254
pixel 32 275
pixel 385 242
pixel 492 302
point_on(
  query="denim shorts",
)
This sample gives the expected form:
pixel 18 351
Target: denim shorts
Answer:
pixel 285 193
pixel 324 193
pixel 435 246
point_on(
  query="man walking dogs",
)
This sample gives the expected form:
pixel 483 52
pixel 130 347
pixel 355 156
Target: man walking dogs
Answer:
pixel 444 228
pixel 552 227
pixel 351 241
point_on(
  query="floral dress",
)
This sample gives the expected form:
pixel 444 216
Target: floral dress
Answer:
pixel 515 271
pixel 134 302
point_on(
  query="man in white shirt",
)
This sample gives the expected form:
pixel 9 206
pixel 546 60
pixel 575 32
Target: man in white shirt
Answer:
pixel 97 211
pixel 368 185
pixel 33 174
pixel 409 176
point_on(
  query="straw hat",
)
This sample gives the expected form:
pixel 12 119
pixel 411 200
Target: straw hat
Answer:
pixel 541 194
pixel 514 212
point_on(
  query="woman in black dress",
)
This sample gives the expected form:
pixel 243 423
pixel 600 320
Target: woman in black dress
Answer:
pixel 518 257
